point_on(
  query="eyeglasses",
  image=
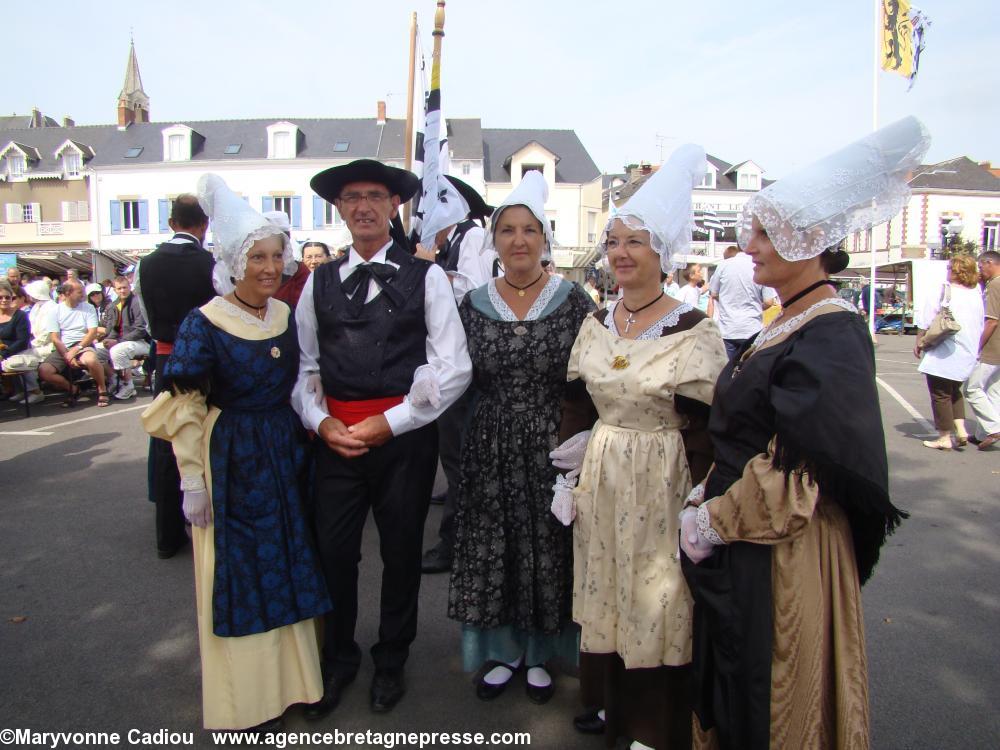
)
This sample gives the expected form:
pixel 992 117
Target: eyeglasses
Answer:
pixel 5 298
pixel 354 199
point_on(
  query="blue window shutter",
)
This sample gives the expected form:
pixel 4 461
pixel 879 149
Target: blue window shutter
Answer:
pixel 267 203
pixel 296 212
pixel 164 209
pixel 144 217
pixel 319 209
pixel 116 217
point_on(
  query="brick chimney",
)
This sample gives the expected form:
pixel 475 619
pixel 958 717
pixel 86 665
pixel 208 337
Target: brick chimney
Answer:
pixel 380 114
pixel 36 118
pixel 68 122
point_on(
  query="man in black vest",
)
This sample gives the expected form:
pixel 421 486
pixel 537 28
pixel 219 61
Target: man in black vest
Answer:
pixel 383 354
pixel 170 282
pixel 462 251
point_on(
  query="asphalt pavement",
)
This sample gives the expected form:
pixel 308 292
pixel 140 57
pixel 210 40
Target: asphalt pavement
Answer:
pixel 97 634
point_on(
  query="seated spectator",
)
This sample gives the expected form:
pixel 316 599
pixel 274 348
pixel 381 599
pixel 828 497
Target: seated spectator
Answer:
pixel 97 298
pixel 73 327
pixel 15 333
pixel 39 305
pixel 126 337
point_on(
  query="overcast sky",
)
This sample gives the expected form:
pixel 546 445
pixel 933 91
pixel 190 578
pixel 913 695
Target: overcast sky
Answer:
pixel 775 81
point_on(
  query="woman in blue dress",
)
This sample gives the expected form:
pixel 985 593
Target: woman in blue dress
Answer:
pixel 242 457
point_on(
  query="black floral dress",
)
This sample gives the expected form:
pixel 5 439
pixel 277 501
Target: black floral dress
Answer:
pixel 512 574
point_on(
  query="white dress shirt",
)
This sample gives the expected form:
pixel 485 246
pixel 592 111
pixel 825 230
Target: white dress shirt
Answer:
pixel 447 350
pixel 475 262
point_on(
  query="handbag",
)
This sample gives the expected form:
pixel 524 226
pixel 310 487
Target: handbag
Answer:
pixel 944 323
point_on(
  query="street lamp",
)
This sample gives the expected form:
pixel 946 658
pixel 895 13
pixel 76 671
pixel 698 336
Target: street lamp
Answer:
pixel 949 231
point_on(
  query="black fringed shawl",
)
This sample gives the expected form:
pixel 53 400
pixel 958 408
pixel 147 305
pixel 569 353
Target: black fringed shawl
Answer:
pixel 814 393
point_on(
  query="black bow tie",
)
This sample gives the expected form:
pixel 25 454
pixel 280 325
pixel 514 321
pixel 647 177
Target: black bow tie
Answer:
pixel 356 285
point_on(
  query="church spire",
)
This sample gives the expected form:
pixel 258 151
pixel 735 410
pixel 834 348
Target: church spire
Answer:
pixel 133 104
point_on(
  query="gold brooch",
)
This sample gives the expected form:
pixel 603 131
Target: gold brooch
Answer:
pixel 619 363
pixel 275 352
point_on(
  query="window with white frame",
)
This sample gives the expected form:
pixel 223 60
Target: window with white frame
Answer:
pixel 30 209
pixel 176 148
pixel 466 168
pixel 71 163
pixel 331 216
pixel 283 145
pixel 708 181
pixel 991 234
pixel 284 203
pixel 591 226
pixel 15 165
pixel 75 211
pixel 748 182
pixel 130 216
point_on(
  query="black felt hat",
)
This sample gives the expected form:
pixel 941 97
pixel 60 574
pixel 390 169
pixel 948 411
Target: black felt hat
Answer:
pixel 478 207
pixel 328 183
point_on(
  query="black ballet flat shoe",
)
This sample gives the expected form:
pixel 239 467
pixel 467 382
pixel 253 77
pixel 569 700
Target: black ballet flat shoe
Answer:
pixel 487 692
pixel 589 722
pixel 435 560
pixel 333 686
pixel 540 695
pixel 387 689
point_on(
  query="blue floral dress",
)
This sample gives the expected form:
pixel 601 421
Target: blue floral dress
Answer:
pixel 266 570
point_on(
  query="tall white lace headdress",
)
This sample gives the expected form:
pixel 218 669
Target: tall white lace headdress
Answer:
pixel 235 227
pixel 850 190
pixel 662 206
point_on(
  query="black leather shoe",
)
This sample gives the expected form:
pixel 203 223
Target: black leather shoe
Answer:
pixel 333 686
pixel 435 561
pixel 486 691
pixel 387 689
pixel 540 695
pixel 166 554
pixel 589 722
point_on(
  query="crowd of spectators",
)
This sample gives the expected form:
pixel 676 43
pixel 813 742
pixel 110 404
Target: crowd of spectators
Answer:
pixel 66 333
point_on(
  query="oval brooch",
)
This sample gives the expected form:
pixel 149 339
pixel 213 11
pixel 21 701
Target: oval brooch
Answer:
pixel 619 363
pixel 275 352
pixel 520 330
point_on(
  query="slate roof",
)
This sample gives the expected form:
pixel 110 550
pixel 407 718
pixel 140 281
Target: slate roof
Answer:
pixel 317 138
pixel 955 174
pixel 16 122
pixel 574 164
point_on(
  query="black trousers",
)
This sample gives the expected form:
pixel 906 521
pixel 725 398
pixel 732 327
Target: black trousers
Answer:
pixel 165 486
pixel 394 481
pixel 451 426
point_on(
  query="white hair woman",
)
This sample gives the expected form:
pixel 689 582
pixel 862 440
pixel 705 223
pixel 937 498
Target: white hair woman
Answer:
pixel 789 523
pixel 649 363
pixel 242 456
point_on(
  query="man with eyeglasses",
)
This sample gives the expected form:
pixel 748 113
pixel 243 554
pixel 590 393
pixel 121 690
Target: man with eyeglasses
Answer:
pixel 383 354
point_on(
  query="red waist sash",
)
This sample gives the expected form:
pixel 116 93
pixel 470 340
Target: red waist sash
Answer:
pixel 352 412
pixel 164 347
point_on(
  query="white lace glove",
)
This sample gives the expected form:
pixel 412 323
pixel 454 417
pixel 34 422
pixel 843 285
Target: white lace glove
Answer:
pixel 563 506
pixel 314 387
pixel 697 542
pixel 570 454
pixel 425 390
pixel 197 507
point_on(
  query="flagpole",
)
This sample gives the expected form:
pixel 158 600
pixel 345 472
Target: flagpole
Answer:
pixel 408 162
pixel 871 236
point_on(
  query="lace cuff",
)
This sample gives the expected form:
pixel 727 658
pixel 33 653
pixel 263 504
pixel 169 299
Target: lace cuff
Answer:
pixel 705 529
pixel 193 483
pixel 696 496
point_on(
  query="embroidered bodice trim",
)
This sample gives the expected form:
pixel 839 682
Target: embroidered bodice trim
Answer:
pixel 507 315
pixel 654 331
pixel 238 312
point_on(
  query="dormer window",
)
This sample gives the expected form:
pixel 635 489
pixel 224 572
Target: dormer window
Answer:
pixel 749 181
pixel 282 140
pixel 177 143
pixel 71 163
pixel 708 181
pixel 15 165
